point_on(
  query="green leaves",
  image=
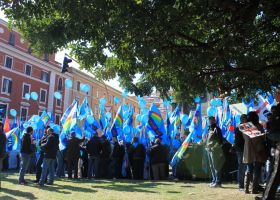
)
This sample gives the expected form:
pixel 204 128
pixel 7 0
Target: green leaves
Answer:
pixel 189 47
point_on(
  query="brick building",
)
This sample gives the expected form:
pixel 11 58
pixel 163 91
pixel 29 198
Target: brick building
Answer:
pixel 22 72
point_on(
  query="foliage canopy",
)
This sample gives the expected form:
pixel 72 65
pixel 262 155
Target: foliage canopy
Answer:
pixel 189 46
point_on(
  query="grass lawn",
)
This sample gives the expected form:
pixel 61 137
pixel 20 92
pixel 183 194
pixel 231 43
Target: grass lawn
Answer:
pixel 117 189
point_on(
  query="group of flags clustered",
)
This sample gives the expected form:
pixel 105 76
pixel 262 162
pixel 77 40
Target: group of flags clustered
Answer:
pixel 80 119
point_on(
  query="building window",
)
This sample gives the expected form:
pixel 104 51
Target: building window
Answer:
pixel 78 85
pixel 43 96
pixel 59 86
pixel 12 39
pixel 97 94
pixel 6 85
pixel 57 118
pixel 25 89
pixel 23 113
pixel 44 76
pixel 3 110
pixel 8 62
pixel 28 69
pixel 46 57
pixel 111 99
pixel 58 102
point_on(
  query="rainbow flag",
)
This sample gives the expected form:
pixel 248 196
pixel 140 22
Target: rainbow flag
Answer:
pixel 45 118
pixel 155 122
pixel 71 119
pixel 14 134
pixel 179 154
pixel 67 111
pixel 117 125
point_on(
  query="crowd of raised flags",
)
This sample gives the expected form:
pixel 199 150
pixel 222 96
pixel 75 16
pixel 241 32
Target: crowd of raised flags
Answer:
pixel 80 119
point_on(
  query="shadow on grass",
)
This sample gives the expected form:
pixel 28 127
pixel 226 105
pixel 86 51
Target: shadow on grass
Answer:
pixel 173 192
pixel 17 193
pixel 8 197
pixel 125 188
pixel 187 186
pixel 67 189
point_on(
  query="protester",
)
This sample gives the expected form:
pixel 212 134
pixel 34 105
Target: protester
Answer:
pixel 158 158
pixel 138 158
pixel 94 149
pixel 73 155
pixel 25 154
pixel 117 158
pixel 105 157
pixel 2 146
pixel 39 162
pixel 61 161
pixel 83 162
pixel 49 148
pixel 254 156
pixel 239 148
pixel 213 146
pixel 274 135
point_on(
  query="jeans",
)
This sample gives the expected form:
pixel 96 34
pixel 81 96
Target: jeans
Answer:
pixel 241 169
pixel 214 166
pixel 60 171
pixel 24 163
pixel 48 166
pixel 93 163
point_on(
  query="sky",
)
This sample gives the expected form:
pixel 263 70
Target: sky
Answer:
pixel 59 58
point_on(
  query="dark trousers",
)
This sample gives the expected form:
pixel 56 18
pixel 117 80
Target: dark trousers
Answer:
pixel 117 168
pixel 39 167
pixel 274 180
pixel 138 169
pixel 93 167
pixel 159 171
pixel 241 169
pixel 104 168
pixel 72 163
pixel 254 170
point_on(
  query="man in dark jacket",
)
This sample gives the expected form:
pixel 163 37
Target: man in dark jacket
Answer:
pixel 50 149
pixel 73 155
pixel 117 158
pixel 213 146
pixel 158 157
pixel 105 157
pixel 39 162
pixel 25 154
pixel 138 159
pixel 2 146
pixel 94 149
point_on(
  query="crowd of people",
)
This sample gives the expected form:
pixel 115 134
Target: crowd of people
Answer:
pixel 253 154
pixel 99 157
pixel 96 158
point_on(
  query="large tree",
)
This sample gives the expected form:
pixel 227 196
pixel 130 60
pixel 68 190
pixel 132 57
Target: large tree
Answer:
pixel 189 46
